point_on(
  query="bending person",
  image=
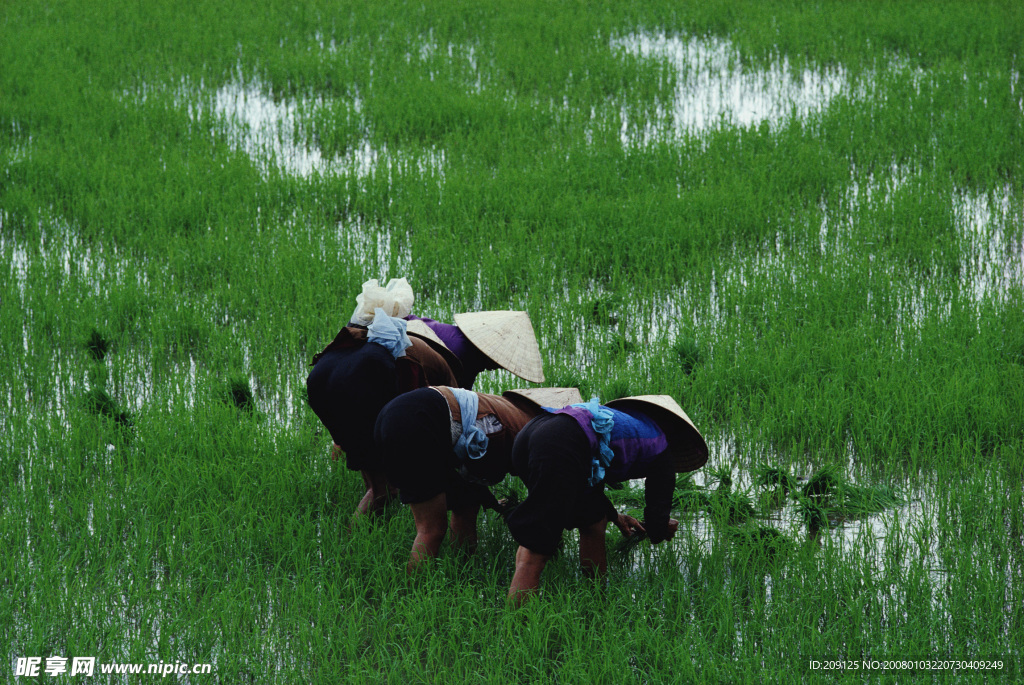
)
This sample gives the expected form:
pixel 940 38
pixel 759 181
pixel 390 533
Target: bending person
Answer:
pixel 566 456
pixel 444 447
pixel 366 366
pixel 484 341
pixel 371 361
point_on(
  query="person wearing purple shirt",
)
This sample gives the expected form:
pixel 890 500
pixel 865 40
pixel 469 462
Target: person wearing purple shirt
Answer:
pixel 473 360
pixel 484 341
pixel 565 457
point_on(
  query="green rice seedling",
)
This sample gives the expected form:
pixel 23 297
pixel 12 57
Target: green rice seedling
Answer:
pixel 603 309
pixel 760 545
pixel 626 495
pixel 509 493
pixel 722 476
pixel 239 394
pixel 571 379
pixel 97 345
pixel 728 507
pixel 814 516
pixel 770 477
pixel 847 256
pixel 688 353
pixel 824 485
pixel 831 491
pixel 616 389
pixel 621 346
pixel 859 501
pixel 776 486
pixel 689 497
pixel 98 401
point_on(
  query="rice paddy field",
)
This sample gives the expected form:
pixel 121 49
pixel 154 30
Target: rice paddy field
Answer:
pixel 804 221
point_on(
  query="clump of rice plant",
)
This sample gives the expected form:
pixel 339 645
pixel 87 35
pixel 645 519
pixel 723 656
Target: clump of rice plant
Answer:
pixel 776 486
pixel 823 485
pixel 570 378
pixel 624 548
pixel 722 476
pixel 688 353
pixel 832 491
pixel 239 394
pixel 828 497
pixel 621 494
pixel 602 309
pixel 622 346
pixel 814 516
pixel 729 507
pixel 99 401
pixel 508 496
pixel 767 477
pixel 616 389
pixel 97 345
pixel 689 496
pixel 762 542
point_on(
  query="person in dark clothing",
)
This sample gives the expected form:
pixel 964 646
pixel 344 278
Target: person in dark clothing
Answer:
pixel 444 447
pixel 565 457
pixel 351 381
pixel 380 355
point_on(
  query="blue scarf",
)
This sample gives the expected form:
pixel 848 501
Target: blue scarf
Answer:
pixel 602 422
pixel 472 444
pixel 389 333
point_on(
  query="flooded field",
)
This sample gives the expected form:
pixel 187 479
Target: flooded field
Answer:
pixel 805 224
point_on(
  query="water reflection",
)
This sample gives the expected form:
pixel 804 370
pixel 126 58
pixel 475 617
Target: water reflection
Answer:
pixel 888 542
pixel 267 129
pixel 713 88
pixel 995 258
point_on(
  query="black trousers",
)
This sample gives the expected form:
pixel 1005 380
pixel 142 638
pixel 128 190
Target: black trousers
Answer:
pixel 552 456
pixel 347 389
pixel 414 440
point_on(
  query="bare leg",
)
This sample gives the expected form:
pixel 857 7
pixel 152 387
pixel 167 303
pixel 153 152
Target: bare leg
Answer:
pixel 463 527
pixel 593 552
pixel 378 493
pixel 526 581
pixel 431 525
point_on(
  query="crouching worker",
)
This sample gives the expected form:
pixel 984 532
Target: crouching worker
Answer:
pixel 443 447
pixel 369 362
pixel 566 456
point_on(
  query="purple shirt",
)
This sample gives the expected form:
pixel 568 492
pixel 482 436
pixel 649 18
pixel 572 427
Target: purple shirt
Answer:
pixel 473 360
pixel 636 441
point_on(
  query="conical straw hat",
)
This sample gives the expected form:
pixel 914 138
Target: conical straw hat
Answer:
pixel 507 338
pixel 421 330
pixel 690 452
pixel 556 398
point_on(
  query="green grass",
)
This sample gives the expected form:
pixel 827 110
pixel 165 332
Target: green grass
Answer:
pixel 837 293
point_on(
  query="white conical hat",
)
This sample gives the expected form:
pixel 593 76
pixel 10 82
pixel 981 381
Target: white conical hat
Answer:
pixel 690 452
pixel 421 329
pixel 555 398
pixel 507 338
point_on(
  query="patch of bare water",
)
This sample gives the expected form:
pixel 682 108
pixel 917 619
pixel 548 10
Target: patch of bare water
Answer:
pixel 891 544
pixel 713 88
pixel 267 129
pixel 61 254
pixel 994 260
pixel 992 263
pixel 381 250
